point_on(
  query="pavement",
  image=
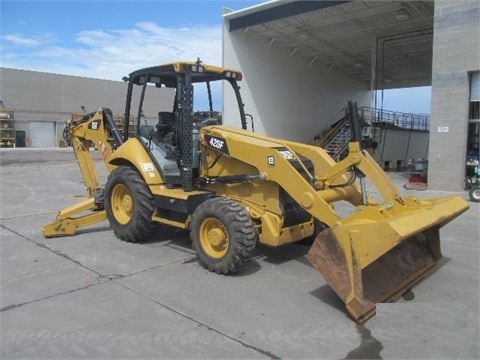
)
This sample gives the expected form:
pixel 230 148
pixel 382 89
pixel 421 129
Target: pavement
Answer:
pixel 92 296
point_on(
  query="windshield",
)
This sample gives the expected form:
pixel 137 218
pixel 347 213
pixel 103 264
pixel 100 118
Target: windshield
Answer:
pixel 150 97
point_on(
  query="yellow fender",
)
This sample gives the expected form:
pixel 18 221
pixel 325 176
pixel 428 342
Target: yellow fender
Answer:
pixel 133 153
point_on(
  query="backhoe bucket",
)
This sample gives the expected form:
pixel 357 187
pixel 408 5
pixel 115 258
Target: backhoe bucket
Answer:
pixel 379 253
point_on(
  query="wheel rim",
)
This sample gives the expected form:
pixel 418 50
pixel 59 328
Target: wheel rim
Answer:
pixel 214 238
pixel 122 203
pixel 476 194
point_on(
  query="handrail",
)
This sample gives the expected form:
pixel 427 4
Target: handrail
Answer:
pixel 330 135
pixel 377 118
pixel 395 119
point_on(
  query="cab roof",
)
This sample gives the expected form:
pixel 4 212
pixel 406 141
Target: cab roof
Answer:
pixel 167 73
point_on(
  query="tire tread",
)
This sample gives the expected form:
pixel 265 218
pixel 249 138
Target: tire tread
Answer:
pixel 141 227
pixel 242 234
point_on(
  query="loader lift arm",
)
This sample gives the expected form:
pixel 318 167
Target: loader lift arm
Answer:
pixel 376 253
pixel 95 129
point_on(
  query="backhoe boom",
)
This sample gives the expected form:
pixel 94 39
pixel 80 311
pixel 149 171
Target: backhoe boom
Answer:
pixel 94 129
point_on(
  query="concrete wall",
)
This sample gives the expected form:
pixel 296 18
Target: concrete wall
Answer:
pixel 397 147
pixel 456 51
pixel 288 97
pixel 37 96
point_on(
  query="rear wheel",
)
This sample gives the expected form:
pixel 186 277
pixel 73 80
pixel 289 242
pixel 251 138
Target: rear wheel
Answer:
pixel 223 235
pixel 129 205
pixel 475 194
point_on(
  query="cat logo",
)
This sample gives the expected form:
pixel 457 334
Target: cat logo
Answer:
pixel 287 154
pixel 94 125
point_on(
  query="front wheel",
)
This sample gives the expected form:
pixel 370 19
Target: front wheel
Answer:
pixel 475 194
pixel 129 205
pixel 223 235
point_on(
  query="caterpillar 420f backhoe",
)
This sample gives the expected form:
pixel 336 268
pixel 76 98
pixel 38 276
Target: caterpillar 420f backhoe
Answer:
pixel 232 187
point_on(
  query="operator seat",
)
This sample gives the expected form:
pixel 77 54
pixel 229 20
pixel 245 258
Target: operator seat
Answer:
pixel 166 122
pixel 166 127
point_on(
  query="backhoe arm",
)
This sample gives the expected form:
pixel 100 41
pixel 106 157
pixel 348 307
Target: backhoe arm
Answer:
pixel 98 130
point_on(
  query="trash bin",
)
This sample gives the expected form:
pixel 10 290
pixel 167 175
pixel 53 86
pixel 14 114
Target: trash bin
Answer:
pixel 421 166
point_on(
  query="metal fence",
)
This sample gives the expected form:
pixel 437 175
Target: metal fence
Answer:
pixel 394 119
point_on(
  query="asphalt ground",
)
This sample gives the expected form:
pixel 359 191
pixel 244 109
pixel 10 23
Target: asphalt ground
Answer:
pixel 92 296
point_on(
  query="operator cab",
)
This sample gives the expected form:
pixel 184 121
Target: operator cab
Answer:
pixel 170 134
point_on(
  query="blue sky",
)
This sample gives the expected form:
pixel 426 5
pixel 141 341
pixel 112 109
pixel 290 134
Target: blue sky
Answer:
pixel 109 39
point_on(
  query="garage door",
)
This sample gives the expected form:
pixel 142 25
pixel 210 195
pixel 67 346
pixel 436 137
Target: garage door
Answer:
pixel 42 134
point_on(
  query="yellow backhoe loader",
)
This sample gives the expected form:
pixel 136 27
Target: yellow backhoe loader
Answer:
pixel 232 188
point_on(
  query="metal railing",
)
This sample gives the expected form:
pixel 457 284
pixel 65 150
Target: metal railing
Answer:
pixel 395 119
pixel 329 133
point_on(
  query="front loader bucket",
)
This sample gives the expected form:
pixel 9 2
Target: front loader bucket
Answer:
pixel 377 254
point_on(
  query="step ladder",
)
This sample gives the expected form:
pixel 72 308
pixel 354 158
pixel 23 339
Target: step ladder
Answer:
pixel 334 139
pixel 338 145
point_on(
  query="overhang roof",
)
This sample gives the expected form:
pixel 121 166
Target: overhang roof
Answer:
pixel 347 35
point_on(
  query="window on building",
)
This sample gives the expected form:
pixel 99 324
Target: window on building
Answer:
pixel 474 113
pixel 473 141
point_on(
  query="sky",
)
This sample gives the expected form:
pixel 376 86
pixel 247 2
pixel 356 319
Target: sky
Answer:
pixel 109 39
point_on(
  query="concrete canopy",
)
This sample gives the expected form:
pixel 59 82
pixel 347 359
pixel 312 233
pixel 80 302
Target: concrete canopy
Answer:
pixel 383 44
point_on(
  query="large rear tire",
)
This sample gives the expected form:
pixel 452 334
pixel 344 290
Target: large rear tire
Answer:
pixel 223 235
pixel 129 205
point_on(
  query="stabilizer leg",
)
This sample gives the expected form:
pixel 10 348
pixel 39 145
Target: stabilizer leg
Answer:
pixel 67 225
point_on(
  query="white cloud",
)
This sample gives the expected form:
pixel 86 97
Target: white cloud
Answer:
pixel 111 54
pixel 95 38
pixel 20 40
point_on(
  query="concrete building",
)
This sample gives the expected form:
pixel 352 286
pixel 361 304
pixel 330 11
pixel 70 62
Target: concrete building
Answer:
pixel 454 138
pixel 303 60
pixel 42 102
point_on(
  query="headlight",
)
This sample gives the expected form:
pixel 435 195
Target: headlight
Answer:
pixel 196 68
pixel 233 75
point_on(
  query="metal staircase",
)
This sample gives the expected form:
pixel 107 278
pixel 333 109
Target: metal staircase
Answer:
pixel 339 143
pixel 335 138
